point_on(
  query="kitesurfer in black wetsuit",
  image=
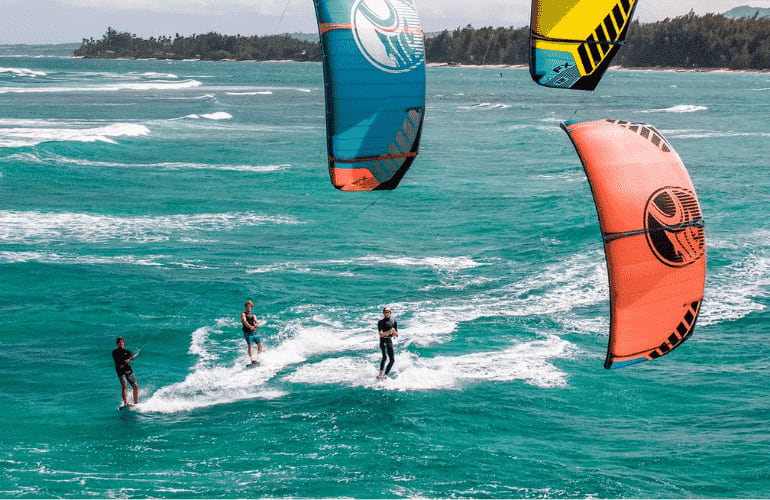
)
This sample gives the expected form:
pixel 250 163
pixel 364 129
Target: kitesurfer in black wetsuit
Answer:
pixel 249 328
pixel 387 328
pixel 122 358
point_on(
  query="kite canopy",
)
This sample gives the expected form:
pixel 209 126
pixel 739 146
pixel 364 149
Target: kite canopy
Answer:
pixel 573 41
pixel 653 234
pixel 374 73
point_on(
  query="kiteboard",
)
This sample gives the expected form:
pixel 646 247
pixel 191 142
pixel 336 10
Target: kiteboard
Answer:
pixel 127 407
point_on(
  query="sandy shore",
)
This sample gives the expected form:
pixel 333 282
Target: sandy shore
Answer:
pixel 614 68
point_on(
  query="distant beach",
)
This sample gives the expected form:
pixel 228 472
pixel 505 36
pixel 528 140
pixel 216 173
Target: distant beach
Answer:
pixel 614 68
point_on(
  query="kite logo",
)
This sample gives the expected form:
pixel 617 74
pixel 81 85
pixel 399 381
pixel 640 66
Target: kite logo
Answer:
pixel 388 34
pixel 674 226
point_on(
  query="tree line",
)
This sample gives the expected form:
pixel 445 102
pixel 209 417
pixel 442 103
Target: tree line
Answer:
pixel 209 46
pixel 689 41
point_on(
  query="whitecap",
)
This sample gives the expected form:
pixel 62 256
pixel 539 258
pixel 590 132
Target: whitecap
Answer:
pixel 55 258
pixel 151 74
pixel 540 128
pixel 42 227
pixel 23 72
pixel 562 177
pixel 679 108
pixel 735 291
pixel 219 115
pixel 22 136
pixel 485 106
pixel 210 97
pixel 261 92
pixel 165 261
pixel 460 284
pixel 52 159
pixel 741 288
pixel 159 85
pixel 439 263
pixel 710 134
pixel 291 267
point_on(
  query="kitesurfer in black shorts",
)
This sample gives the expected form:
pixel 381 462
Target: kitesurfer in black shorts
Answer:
pixel 387 328
pixel 249 328
pixel 122 358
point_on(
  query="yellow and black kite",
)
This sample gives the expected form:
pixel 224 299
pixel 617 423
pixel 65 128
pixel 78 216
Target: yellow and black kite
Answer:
pixel 573 41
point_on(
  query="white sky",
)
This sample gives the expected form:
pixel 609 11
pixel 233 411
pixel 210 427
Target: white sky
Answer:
pixel 61 21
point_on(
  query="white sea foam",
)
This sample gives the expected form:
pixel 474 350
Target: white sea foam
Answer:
pixel 577 282
pixel 260 92
pixel 460 283
pixel 43 227
pixel 23 72
pixel 219 375
pixel 573 176
pixel 151 74
pixel 485 106
pixel 55 258
pixel 708 134
pixel 540 128
pixel 291 267
pixel 36 122
pixel 52 159
pixel 527 361
pixel 738 289
pixel 594 326
pixel 440 264
pixel 219 115
pixel 447 264
pixel 679 108
pixel 732 293
pixel 157 85
pixel 213 382
pixel 209 97
pixel 210 387
pixel 166 261
pixel 25 136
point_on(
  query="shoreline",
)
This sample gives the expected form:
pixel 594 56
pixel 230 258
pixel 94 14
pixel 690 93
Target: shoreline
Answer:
pixel 613 68
pixel 428 65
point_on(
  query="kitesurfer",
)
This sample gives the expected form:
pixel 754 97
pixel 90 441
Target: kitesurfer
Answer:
pixel 387 328
pixel 249 328
pixel 122 358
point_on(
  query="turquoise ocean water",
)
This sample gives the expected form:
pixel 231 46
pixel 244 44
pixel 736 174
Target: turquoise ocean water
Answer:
pixel 149 199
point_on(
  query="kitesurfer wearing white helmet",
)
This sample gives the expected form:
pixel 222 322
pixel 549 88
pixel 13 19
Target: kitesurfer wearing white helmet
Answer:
pixel 387 328
pixel 249 328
